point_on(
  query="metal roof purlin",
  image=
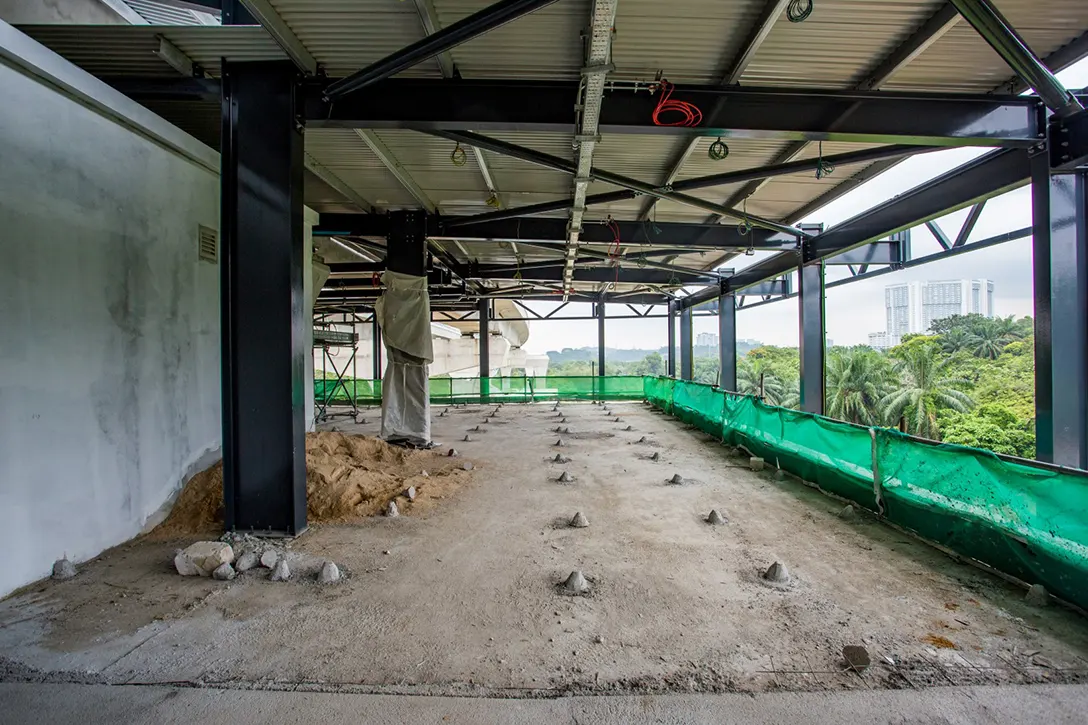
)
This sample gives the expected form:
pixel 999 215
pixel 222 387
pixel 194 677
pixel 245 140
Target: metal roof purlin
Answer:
pixel 474 25
pixel 336 183
pixel 598 58
pixel 389 160
pixel 429 18
pixel 731 76
pixel 271 21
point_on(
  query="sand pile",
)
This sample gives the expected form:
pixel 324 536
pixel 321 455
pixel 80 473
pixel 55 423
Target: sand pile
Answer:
pixel 347 477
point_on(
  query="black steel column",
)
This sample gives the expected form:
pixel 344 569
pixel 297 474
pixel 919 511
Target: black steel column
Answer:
pixel 1060 248
pixel 484 308
pixel 813 339
pixel 262 300
pixel 670 367
pixel 1040 252
pixel 727 341
pixel 686 365
pixel 406 242
pixel 600 338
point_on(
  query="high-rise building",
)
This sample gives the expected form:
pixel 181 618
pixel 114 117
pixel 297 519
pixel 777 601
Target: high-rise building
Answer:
pixel 878 340
pixel 706 339
pixel 911 307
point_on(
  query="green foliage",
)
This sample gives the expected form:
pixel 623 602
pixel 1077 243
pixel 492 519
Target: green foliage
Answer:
pixel 857 380
pixel 994 427
pixel 926 388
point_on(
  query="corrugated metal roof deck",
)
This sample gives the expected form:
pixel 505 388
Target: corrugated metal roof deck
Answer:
pixel 689 42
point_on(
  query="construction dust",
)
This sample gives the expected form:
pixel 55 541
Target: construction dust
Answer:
pixel 347 477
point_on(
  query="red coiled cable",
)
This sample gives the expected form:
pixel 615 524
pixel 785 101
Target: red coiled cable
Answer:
pixel 692 116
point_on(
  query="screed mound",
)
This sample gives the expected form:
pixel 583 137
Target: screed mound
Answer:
pixel 347 477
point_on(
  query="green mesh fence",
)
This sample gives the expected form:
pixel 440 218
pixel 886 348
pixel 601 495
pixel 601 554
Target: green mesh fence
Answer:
pixel 509 390
pixel 1026 520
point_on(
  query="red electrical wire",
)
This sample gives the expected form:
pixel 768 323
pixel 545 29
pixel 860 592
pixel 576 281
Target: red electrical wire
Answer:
pixel 692 116
pixel 375 279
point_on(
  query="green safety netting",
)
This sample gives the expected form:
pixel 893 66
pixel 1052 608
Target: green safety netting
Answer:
pixel 1029 521
pixel 506 389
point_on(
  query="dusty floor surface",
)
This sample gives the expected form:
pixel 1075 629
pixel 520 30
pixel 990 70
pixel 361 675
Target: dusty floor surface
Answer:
pixel 462 599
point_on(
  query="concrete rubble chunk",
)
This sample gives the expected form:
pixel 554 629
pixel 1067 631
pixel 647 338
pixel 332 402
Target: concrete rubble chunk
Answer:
pixel 410 493
pixel 655 457
pixel 756 463
pixel 857 657
pixel 1037 596
pixel 780 474
pixel 269 559
pixel 467 465
pixel 560 443
pixel 617 420
pixel 424 474
pixel 560 458
pixel 565 477
pixel 576 583
pixel 391 509
pixel 579 521
pixel 466 439
pixel 442 414
pixel 565 430
pixel 452 453
pixel 224 573
pixel 848 512
pixel 203 558
pixel 330 573
pixel 677 480
pixel 475 429
pixel 629 428
pixel 777 573
pixel 563 420
pixel 64 569
pixel 281 572
pixel 715 518
pixel 247 561
pixel 641 440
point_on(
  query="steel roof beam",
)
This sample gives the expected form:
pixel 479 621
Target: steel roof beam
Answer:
pixel 267 16
pixel 760 113
pixel 980 179
pixel 705 182
pixel 1060 59
pixel 1003 38
pixel 772 10
pixel 474 25
pixel 927 33
pixel 622 275
pixel 558 164
pixel 683 236
pixel 429 19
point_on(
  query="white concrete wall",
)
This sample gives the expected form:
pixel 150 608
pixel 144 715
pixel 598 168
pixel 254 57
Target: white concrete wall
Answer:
pixel 109 360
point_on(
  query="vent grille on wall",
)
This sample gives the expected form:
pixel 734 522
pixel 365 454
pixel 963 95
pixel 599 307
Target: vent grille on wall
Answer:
pixel 208 242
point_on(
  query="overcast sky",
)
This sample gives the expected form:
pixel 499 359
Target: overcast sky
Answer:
pixel 854 310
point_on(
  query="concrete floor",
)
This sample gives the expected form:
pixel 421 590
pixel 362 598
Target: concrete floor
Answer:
pixel 464 602
pixel 94 704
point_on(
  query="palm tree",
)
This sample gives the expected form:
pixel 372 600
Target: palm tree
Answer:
pixel 749 383
pixel 987 342
pixel 1008 329
pixel 926 388
pixel 791 395
pixel 857 380
pixel 955 340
